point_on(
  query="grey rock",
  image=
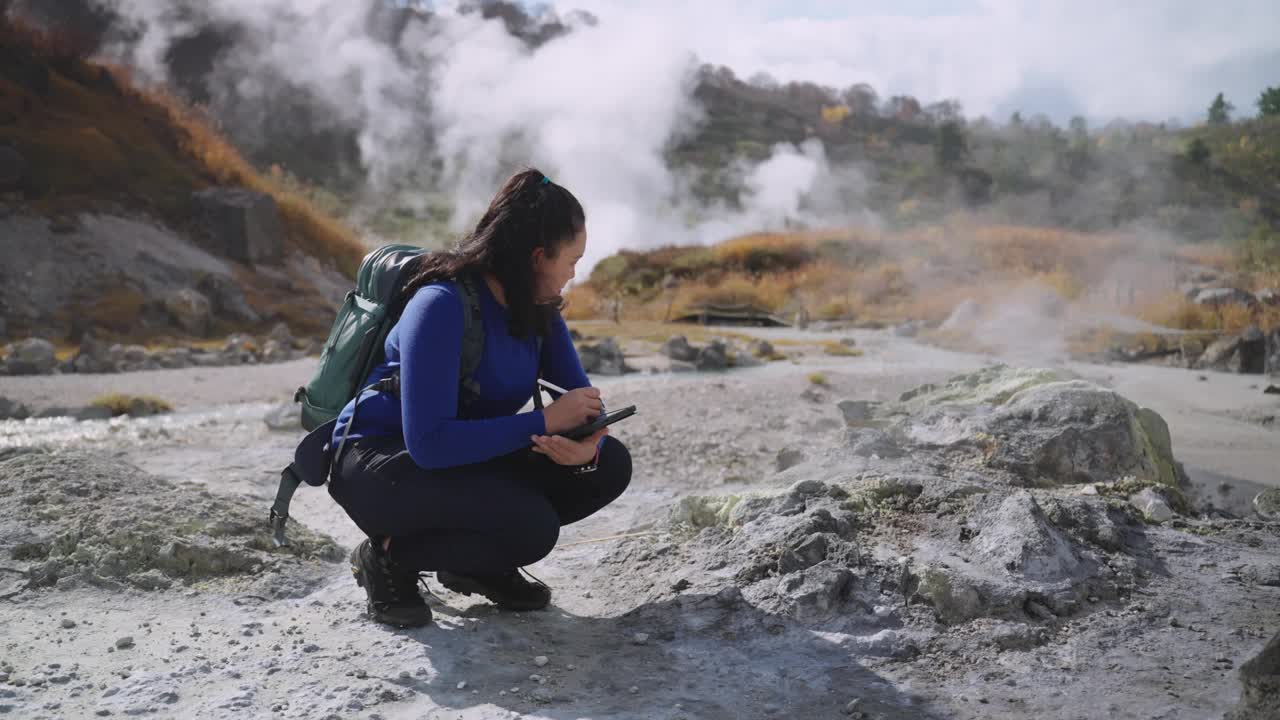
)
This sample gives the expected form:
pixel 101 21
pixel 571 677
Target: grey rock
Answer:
pixel 1216 297
pixel 13 168
pixel 13 410
pixel 907 329
pixel 284 417
pixel 1260 678
pixel 33 356
pixel 817 591
pixel 94 356
pixel 761 348
pixel 227 298
pixel 714 356
pixel 871 442
pixel 241 224
pixel 1152 505
pixel 811 551
pixel 274 351
pixel 1077 432
pixel 1016 537
pixel 1267 504
pixel 954 598
pixel 856 412
pixel 787 458
pixel 677 347
pixel 280 333
pixel 124 643
pixel 189 311
pixel 1269 296
pixel 603 358
pixel 1271 364
pixel 1238 353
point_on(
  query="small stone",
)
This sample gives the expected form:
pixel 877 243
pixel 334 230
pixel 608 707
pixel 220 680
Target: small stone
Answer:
pixel 462 685
pixel 515 690
pixel 404 675
pixel 852 706
pixel 571 666
pixel 67 623
pixel 536 678
pixel 640 638
pixel 540 661
pixel 124 643
pixel 633 690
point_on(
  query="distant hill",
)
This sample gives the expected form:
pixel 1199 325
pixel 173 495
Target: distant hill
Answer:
pixel 90 164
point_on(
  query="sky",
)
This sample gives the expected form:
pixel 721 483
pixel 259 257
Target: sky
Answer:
pixel 1141 60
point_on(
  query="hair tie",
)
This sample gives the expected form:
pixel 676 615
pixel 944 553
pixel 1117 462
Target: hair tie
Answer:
pixel 546 180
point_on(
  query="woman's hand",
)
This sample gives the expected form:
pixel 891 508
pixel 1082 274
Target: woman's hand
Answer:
pixel 564 451
pixel 572 409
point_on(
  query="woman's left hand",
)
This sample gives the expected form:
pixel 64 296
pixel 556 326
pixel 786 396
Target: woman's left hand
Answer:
pixel 564 451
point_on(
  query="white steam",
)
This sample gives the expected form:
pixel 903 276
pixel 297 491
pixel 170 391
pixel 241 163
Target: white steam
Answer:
pixel 595 109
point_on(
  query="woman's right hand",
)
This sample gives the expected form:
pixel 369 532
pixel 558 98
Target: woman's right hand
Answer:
pixel 572 409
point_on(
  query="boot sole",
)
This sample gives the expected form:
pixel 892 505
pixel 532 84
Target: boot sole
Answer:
pixel 373 612
pixel 467 587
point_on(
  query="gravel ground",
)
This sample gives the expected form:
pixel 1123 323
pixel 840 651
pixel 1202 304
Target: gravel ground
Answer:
pixel 610 647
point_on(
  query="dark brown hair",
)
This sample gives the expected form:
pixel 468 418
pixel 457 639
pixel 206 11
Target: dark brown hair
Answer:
pixel 528 212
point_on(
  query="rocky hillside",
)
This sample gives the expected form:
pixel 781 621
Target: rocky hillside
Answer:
pixel 124 215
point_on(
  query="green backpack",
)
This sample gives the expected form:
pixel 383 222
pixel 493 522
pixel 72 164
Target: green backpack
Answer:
pixel 354 347
pixel 355 343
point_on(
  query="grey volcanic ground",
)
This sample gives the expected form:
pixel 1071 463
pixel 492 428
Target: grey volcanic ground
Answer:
pixel 969 552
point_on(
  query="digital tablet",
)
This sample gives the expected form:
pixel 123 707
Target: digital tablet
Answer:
pixel 604 420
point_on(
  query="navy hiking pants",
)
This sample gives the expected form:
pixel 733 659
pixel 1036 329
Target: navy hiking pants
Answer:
pixel 478 519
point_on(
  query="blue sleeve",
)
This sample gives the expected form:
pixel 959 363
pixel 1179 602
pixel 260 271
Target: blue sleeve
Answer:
pixel 430 358
pixel 560 362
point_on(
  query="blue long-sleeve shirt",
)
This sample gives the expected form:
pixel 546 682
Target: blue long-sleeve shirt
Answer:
pixel 426 346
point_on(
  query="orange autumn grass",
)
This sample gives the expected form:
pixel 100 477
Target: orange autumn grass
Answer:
pixel 93 136
pixel 891 277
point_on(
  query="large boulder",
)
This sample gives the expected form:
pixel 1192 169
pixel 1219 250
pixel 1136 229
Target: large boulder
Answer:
pixel 33 356
pixel 1042 427
pixel 241 224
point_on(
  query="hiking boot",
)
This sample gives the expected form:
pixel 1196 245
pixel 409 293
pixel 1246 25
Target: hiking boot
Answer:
pixel 393 593
pixel 509 590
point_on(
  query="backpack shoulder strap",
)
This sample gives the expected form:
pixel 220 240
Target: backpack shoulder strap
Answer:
pixel 472 342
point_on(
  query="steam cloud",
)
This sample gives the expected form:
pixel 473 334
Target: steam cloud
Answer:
pixel 594 108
